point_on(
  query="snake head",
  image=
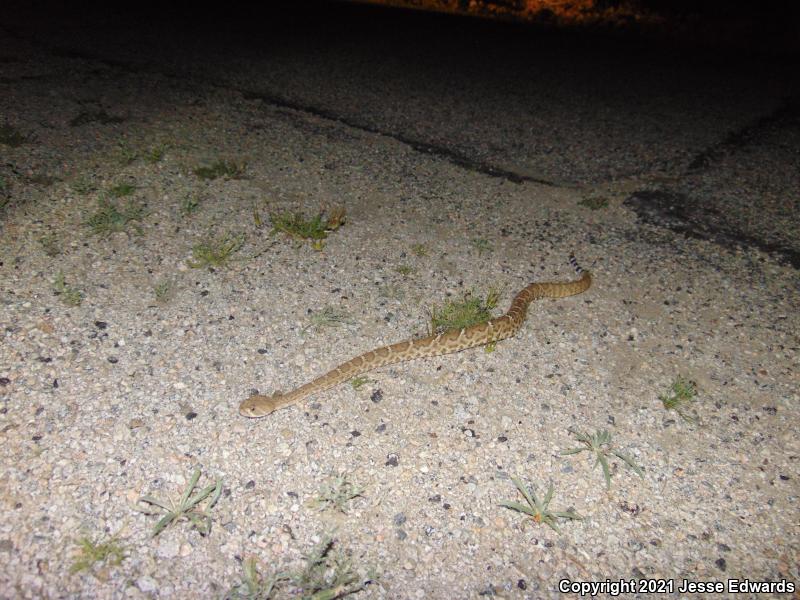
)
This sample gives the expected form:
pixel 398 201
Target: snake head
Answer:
pixel 259 406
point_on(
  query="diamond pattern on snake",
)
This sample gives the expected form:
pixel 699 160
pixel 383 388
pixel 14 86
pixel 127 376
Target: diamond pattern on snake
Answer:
pixel 454 340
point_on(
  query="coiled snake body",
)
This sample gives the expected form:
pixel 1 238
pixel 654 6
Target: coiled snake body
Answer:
pixel 434 345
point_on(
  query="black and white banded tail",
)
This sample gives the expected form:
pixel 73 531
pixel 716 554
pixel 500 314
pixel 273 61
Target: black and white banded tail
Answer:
pixel 575 264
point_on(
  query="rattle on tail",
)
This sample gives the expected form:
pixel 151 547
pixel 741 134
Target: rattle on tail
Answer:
pixel 434 345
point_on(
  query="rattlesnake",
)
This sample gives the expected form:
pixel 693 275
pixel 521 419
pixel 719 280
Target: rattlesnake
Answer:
pixel 433 345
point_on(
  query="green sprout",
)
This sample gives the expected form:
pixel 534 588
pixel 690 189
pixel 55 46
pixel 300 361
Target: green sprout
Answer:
pixel 358 382
pixel 254 585
pixel 419 250
pixel 50 244
pixel 594 203
pixel 482 245
pixel 336 493
pixel 316 229
pixel 109 218
pixel 156 153
pixel 326 576
pixel 221 168
pixel 539 509
pixel 459 315
pixel 405 270
pixel 82 185
pixel 186 508
pixel 122 189
pixel 680 396
pixel 215 252
pixel 329 316
pixel 163 290
pixel 69 295
pixel 257 220
pixel 190 205
pixel 97 552
pixel 600 444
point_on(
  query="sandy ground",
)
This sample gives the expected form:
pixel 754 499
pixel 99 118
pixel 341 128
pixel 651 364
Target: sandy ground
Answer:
pixel 129 392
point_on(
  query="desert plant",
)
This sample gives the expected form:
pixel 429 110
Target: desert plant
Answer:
pixel 482 245
pixel 316 228
pixel 121 189
pixel 358 382
pixel 326 575
pixel 110 218
pixel 329 316
pixel 186 508
pixel 215 252
pixel 336 493
pixel 465 313
pixel 91 553
pixel 594 203
pixel 221 168
pixel 419 250
pixel 539 509
pixel 69 295
pixel 600 444
pixel 680 396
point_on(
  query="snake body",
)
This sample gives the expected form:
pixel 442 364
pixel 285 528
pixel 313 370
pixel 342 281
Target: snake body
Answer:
pixel 434 345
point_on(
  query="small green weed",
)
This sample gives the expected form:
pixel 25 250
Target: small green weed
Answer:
pixel 326 576
pixel 126 154
pixel 83 185
pixel 680 396
pixel 358 382
pixel 539 509
pixel 254 585
pixel 164 290
pixel 482 245
pixel 13 137
pixel 317 228
pixel 419 250
pixel 391 291
pixel 221 168
pixel 121 190
pixel 405 270
pixel 50 244
pixel 336 493
pixel 186 507
pixel 215 252
pixel 190 204
pixel 69 295
pixel 155 153
pixel 600 444
pixel 109 218
pixel 329 316
pixel 468 312
pixel 594 203
pixel 91 553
